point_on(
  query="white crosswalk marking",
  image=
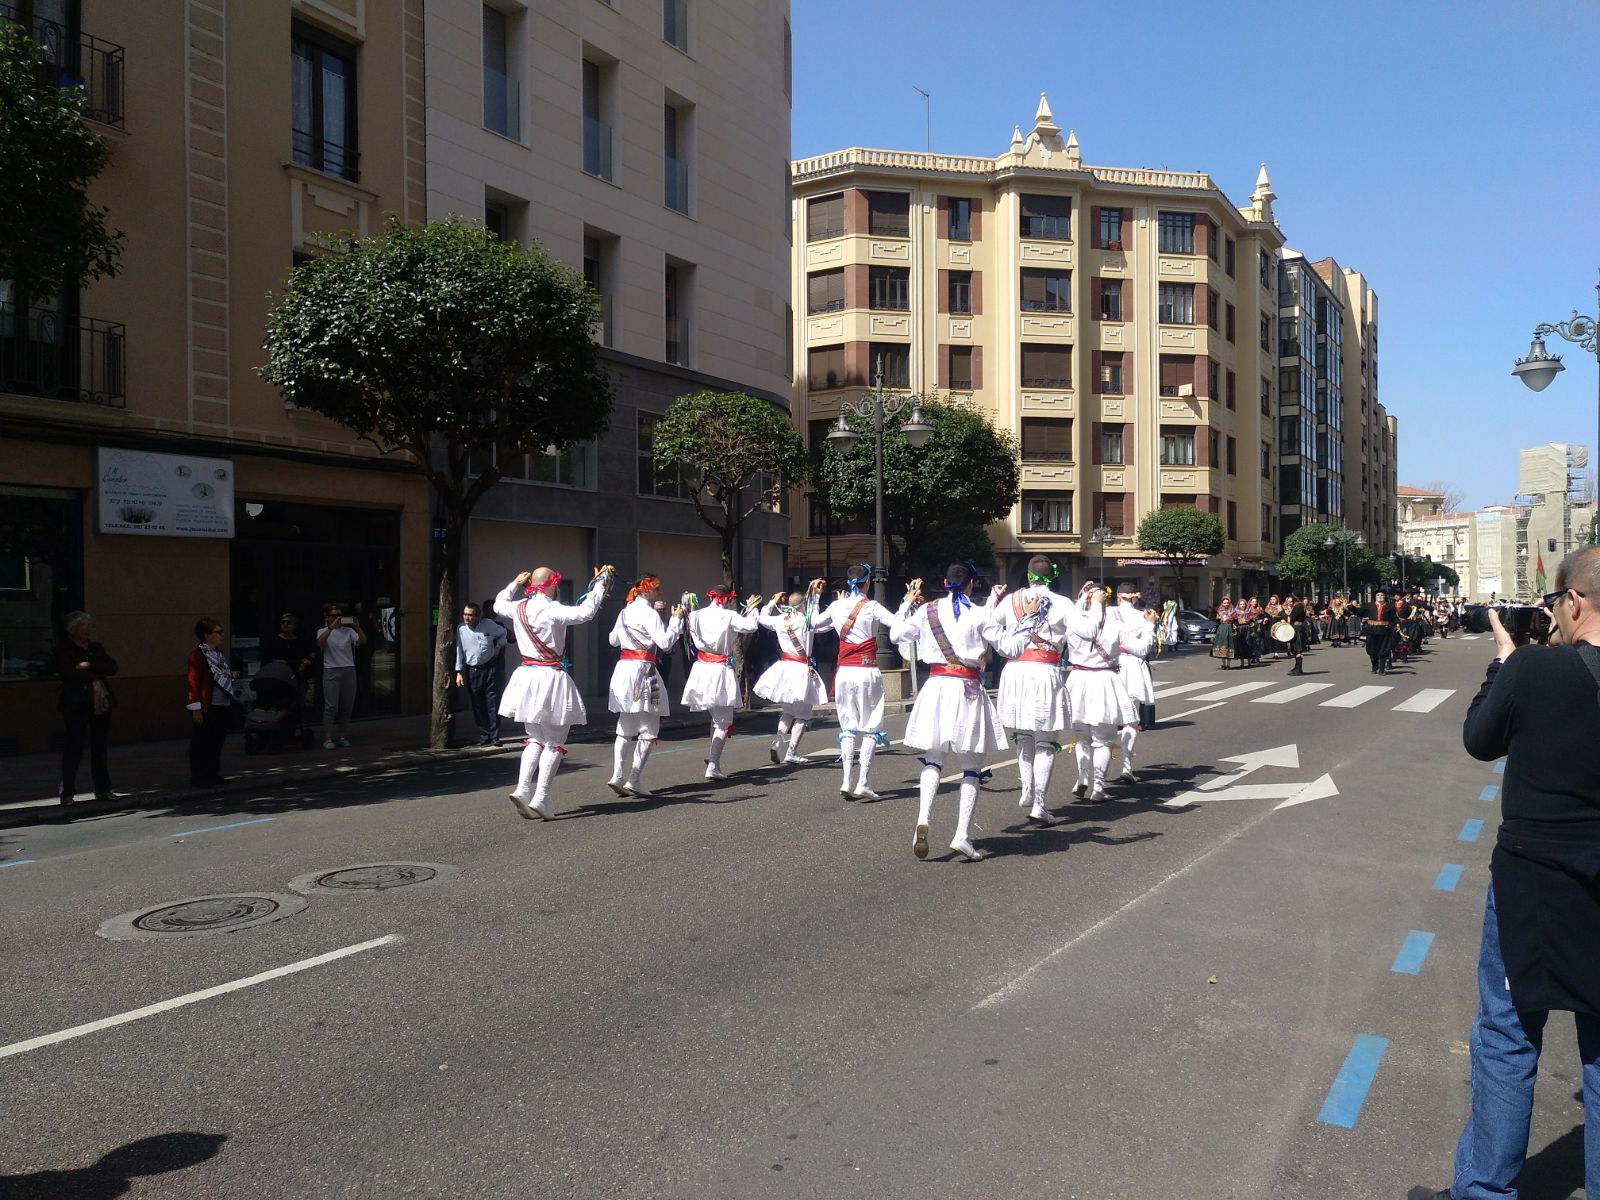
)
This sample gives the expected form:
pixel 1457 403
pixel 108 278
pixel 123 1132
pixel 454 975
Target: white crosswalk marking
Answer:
pixel 1238 689
pixel 1426 700
pixel 1470 637
pixel 1357 697
pixel 1295 693
pixel 1179 689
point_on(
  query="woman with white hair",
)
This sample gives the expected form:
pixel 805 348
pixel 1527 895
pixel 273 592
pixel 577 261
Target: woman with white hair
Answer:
pixel 85 705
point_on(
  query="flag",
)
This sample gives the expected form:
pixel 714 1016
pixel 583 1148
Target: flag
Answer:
pixel 1539 581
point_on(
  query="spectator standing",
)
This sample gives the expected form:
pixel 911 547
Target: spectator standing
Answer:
pixel 210 703
pixel 338 639
pixel 479 645
pixel 291 646
pixel 85 705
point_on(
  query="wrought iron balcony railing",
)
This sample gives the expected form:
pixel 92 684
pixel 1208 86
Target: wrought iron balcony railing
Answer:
pixel 80 61
pixel 57 357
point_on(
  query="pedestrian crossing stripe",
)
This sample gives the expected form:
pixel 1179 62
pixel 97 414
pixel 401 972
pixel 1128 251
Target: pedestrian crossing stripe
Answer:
pixel 1356 697
pixel 1238 689
pixel 1426 700
pixel 1298 692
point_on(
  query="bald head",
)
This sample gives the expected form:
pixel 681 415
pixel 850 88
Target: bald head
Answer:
pixel 1581 570
pixel 541 576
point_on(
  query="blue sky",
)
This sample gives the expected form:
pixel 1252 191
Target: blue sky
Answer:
pixel 1446 150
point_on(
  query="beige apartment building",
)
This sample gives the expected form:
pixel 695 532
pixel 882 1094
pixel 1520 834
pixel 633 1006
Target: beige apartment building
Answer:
pixel 159 478
pixel 644 143
pixel 1121 322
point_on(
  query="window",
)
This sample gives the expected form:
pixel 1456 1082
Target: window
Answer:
pixel 497 220
pixel 1111 383
pixel 825 368
pixel 1213 379
pixel 1046 439
pixel 1266 269
pixel 1177 375
pixel 1110 229
pixel 1114 513
pixel 1046 366
pixel 323 82
pixel 596 128
pixel 502 97
pixel 1175 304
pixel 1046 291
pixel 1177 446
pixel 960 297
pixel 961 376
pixel 657 478
pixel 895 359
pixel 958 219
pixel 1266 332
pixel 1233 456
pixel 573 467
pixel 1266 397
pixel 1047 512
pixel 1231 325
pixel 1227 256
pixel 1213 303
pixel 825 217
pixel 1175 233
pixel 1111 299
pixel 888 287
pixel 1233 521
pixel 41 576
pixel 1266 460
pixel 1266 523
pixel 1047 218
pixel 788 63
pixel 675 297
pixel 825 291
pixel 1289 384
pixel 675 154
pixel 675 23
pixel 597 256
pixel 1211 251
pixel 1111 444
pixel 1233 390
pixel 889 214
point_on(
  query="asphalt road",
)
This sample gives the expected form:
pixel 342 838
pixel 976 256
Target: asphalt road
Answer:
pixel 753 989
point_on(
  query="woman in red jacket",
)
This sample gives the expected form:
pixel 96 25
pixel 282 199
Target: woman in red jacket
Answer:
pixel 210 703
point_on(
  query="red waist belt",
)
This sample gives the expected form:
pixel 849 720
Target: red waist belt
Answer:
pixel 638 656
pixel 703 656
pixel 957 672
pixel 858 654
pixel 801 658
pixel 541 662
pixel 1077 667
pixel 1040 656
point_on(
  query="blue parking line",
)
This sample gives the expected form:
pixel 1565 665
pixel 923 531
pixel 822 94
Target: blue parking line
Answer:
pixel 1349 1090
pixel 1470 831
pixel 1500 767
pixel 1449 876
pixel 1490 794
pixel 1412 951
pixel 216 828
pixel 21 862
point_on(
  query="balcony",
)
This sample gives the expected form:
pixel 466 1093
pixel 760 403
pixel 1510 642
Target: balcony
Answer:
pixel 81 61
pixel 502 104
pixel 597 148
pixel 57 357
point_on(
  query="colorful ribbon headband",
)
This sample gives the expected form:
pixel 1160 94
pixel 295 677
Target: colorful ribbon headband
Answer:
pixel 855 585
pixel 549 586
pixel 719 596
pixel 1034 577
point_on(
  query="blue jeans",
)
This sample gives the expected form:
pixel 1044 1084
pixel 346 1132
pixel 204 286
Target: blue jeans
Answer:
pixel 1505 1060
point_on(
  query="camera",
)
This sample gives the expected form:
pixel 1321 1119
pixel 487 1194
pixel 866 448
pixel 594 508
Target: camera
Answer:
pixel 1524 622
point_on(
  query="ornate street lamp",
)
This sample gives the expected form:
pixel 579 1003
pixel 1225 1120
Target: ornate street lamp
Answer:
pixel 1344 545
pixel 1540 367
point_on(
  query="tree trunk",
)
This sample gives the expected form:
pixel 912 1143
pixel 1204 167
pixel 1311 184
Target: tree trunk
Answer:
pixel 1177 572
pixel 444 642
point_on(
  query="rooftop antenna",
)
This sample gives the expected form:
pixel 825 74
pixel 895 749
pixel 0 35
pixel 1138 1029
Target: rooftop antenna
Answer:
pixel 927 111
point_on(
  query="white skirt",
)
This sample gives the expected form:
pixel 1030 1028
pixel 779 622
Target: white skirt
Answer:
pixel 632 673
pixel 944 718
pixel 1136 679
pixel 858 699
pixel 1033 698
pixel 545 695
pixel 711 685
pixel 791 685
pixel 1098 698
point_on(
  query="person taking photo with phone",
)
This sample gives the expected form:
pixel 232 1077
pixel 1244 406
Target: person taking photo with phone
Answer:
pixel 338 639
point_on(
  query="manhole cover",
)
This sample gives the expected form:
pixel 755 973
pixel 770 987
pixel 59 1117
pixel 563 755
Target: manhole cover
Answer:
pixel 200 916
pixel 372 877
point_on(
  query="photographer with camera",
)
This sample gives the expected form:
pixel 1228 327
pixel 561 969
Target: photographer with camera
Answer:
pixel 338 639
pixel 1539 707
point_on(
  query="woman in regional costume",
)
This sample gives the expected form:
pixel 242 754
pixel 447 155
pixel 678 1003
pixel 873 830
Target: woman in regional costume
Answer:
pixel 1098 702
pixel 1136 635
pixel 857 679
pixel 712 685
pixel 1224 640
pixel 637 694
pixel 1033 694
pixel 792 683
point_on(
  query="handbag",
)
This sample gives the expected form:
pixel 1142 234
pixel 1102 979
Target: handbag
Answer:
pixel 103 700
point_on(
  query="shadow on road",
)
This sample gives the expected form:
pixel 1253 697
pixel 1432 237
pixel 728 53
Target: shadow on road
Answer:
pixel 1556 1172
pixel 114 1174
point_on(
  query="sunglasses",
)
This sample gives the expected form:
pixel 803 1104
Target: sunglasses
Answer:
pixel 1549 598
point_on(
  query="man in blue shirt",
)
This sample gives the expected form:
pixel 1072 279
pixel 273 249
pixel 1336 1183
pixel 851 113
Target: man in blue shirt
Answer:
pixel 478 647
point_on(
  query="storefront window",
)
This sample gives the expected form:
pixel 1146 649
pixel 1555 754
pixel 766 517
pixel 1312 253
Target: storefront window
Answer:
pixel 41 576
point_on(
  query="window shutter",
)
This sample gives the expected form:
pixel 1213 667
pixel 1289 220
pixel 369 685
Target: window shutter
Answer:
pixel 1094 299
pixel 1127 444
pixel 1202 235
pixel 944 367
pixel 1127 228
pixel 1094 226
pixel 1202 304
pixel 1097 360
pixel 976 222
pixel 855 211
pixel 977 277
pixel 944 287
pixel 1202 447
pixel 1095 447
pixel 1199 375
pixel 977 365
pixel 941 217
pixel 1129 514
pixel 1127 373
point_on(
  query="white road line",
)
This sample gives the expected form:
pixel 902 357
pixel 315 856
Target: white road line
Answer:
pixel 1162 693
pixel 1470 637
pixel 1298 692
pixel 1426 700
pixel 995 766
pixel 222 989
pixel 1357 697
pixel 1238 689
pixel 1191 712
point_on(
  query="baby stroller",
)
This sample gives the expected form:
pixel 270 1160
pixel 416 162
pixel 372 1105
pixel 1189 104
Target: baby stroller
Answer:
pixel 273 720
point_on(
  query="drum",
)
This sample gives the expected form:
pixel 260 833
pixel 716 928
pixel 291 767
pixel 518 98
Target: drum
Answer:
pixel 1282 631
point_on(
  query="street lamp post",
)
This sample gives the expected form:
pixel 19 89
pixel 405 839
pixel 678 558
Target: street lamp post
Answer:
pixel 1102 534
pixel 1344 546
pixel 1539 367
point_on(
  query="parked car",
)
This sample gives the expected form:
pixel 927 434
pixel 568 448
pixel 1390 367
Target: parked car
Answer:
pixel 1195 626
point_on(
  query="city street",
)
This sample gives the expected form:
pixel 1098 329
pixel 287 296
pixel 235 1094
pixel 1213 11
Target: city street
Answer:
pixel 753 989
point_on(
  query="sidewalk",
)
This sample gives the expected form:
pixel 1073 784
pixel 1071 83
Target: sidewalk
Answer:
pixel 155 774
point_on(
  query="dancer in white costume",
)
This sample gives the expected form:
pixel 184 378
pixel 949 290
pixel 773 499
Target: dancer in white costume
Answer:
pixel 792 683
pixel 712 685
pixel 1136 639
pixel 541 693
pixel 637 694
pixel 953 714
pixel 1099 704
pixel 857 680
pixel 1033 691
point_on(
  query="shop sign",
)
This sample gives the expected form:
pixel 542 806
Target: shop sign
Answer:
pixel 1159 562
pixel 169 495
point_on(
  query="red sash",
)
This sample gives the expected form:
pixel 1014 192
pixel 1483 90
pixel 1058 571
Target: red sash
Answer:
pixel 799 658
pixel 955 671
pixel 638 656
pixel 858 654
pixel 541 662
pixel 1034 654
pixel 1078 667
pixel 707 657
pixel 551 657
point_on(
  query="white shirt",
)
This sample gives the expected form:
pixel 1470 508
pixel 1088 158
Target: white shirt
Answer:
pixel 872 617
pixel 1092 638
pixel 639 627
pixel 965 632
pixel 339 648
pixel 546 618
pixel 712 628
pixel 792 628
pixel 1004 632
pixel 1135 634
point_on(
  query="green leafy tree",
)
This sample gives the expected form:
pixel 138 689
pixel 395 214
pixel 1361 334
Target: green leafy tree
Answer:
pixel 743 451
pixel 51 237
pixel 446 344
pixel 1181 535
pixel 1308 545
pixel 965 476
pixel 953 543
pixel 1297 567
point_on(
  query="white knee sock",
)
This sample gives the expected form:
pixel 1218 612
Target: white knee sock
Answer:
pixel 1126 736
pixel 847 753
pixel 641 754
pixel 1083 757
pixel 1102 760
pixel 721 727
pixel 784 722
pixel 868 745
pixel 1025 751
pixel 969 802
pixel 796 731
pixel 527 768
pixel 619 753
pixel 927 785
pixel 549 764
pixel 1043 765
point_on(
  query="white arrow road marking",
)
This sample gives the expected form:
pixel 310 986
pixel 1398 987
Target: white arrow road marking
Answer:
pixel 1279 756
pixel 1238 689
pixel 1289 793
pixel 1298 692
pixel 1356 698
pixel 1317 789
pixel 1426 700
